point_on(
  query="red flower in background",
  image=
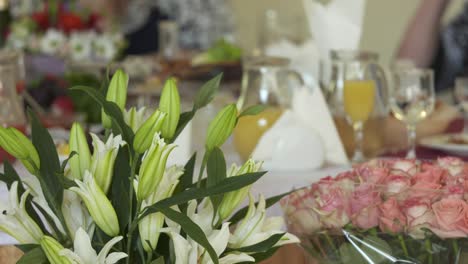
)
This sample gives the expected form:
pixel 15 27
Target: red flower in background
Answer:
pixel 69 22
pixel 41 19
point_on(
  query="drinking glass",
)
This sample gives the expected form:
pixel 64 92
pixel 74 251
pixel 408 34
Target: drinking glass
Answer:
pixel 412 100
pixel 358 97
pixel 461 97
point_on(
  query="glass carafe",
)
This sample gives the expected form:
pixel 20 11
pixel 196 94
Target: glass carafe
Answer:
pixel 265 81
pixel 347 66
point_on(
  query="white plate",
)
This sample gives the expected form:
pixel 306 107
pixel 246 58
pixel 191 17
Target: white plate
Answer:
pixel 442 142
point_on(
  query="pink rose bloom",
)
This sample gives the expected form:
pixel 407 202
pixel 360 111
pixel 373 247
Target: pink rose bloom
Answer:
pixel 432 174
pixel 364 210
pixel 391 218
pixel 302 221
pixel 454 192
pixel 409 167
pixel 323 185
pixel 453 165
pixel 419 215
pixel 423 189
pixel 367 218
pixel 333 208
pixel 345 183
pixel 450 215
pixel 395 184
pixel 373 175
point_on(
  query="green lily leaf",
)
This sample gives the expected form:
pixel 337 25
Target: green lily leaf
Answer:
pixel 112 110
pixel 263 246
pixel 259 257
pixel 186 180
pixel 207 92
pixel 51 183
pixel 227 185
pixel 65 162
pixel 253 110
pixel 10 176
pixel 216 169
pixel 159 260
pixel 34 256
pixel 184 119
pixel 120 185
pixel 239 215
pixel 192 230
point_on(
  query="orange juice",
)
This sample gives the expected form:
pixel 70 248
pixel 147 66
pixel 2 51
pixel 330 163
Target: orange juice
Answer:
pixel 359 98
pixel 250 129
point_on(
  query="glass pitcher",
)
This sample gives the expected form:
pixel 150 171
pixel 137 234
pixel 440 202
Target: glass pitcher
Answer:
pixel 267 81
pixel 347 66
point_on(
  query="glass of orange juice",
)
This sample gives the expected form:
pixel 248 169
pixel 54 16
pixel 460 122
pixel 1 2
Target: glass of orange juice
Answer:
pixel 358 100
pixel 267 81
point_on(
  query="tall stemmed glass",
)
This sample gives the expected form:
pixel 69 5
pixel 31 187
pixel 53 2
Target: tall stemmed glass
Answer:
pixel 461 96
pixel 412 100
pixel 359 97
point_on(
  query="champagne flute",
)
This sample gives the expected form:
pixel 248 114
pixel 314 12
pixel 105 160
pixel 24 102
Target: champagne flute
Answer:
pixel 461 96
pixel 412 100
pixel 359 98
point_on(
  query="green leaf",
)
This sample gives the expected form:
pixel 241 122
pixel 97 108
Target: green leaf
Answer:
pixel 263 246
pixel 207 92
pixel 228 185
pixel 120 184
pixel 112 110
pixel 192 230
pixel 159 260
pixel 253 110
pixel 27 247
pixel 216 169
pixel 239 215
pixel 183 122
pixel 35 256
pixel 261 256
pixel 10 176
pixel 65 162
pixel 50 165
pixel 186 180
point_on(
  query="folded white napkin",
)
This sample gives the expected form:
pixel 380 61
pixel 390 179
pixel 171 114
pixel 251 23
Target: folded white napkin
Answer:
pixel 303 138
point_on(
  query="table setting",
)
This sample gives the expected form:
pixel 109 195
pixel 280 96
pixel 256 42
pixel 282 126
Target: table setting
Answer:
pixel 299 152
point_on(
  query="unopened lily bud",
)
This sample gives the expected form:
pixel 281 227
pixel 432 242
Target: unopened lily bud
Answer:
pixel 153 166
pixel 98 204
pixel 150 225
pixel 170 104
pixel 20 147
pixel 52 248
pixel 82 160
pixel 117 93
pixel 145 134
pixel 232 200
pixel 134 118
pixel 103 159
pixel 221 127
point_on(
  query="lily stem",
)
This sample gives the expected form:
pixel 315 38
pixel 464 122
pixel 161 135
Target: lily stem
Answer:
pixel 130 215
pixel 202 168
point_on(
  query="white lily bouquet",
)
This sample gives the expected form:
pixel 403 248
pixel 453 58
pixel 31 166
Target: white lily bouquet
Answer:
pixel 121 200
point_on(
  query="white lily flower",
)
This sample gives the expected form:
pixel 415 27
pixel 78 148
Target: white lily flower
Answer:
pixel 34 186
pixel 85 254
pixel 188 251
pixel 15 221
pixel 103 159
pixel 233 199
pixel 150 226
pixel 52 42
pixel 75 214
pixel 134 118
pixel 97 204
pixel 254 228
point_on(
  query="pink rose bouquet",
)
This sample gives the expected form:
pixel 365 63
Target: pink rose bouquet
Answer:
pixel 385 211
